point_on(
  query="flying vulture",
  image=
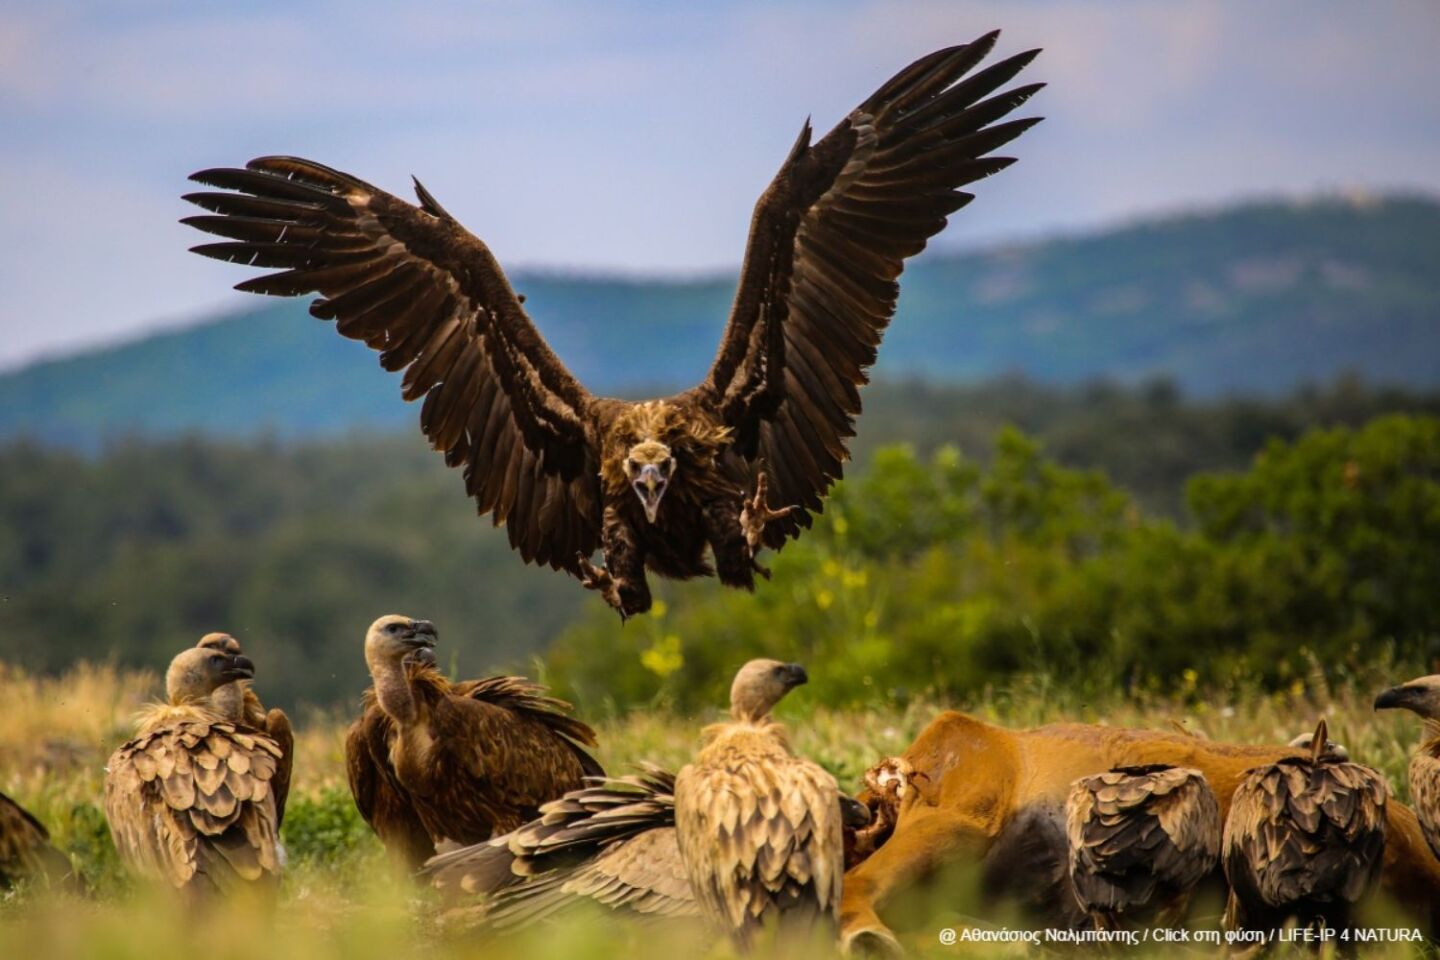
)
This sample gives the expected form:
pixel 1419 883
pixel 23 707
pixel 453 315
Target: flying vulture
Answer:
pixel 611 843
pixel 238 703
pixel 1304 840
pixel 759 828
pixel 190 800
pixel 1422 697
pixel 468 760
pixel 1141 839
pixel 652 484
pixel 25 849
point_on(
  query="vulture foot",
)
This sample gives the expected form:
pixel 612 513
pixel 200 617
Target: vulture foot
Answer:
pixel 757 515
pixel 599 579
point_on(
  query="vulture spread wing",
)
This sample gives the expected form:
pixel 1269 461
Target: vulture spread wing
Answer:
pixel 611 843
pixel 25 850
pixel 1303 832
pixel 828 241
pixel 1134 829
pixel 192 800
pixel 760 838
pixel 412 283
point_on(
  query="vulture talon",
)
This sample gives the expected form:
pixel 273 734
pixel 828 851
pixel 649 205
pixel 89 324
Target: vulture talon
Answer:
pixel 757 515
pixel 599 579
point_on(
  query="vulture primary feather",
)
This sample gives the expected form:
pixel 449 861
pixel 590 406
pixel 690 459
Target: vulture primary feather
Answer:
pixel 190 800
pixel 1422 697
pixel 463 761
pixel 654 485
pixel 1304 840
pixel 1141 839
pixel 237 702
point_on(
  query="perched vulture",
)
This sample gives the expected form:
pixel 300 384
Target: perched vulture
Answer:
pixel 468 760
pixel 25 850
pixel 1141 839
pixel 1422 697
pixel 238 703
pixel 190 800
pixel 759 828
pixel 1305 839
pixel 611 843
pixel 652 484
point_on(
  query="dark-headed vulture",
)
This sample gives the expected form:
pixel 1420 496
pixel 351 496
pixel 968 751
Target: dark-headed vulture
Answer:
pixel 1304 840
pixel 611 843
pixel 465 760
pixel 759 828
pixel 1141 839
pixel 238 703
pixel 25 850
pixel 652 484
pixel 190 800
pixel 1422 697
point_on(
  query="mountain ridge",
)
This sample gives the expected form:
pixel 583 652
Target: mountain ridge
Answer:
pixel 1251 298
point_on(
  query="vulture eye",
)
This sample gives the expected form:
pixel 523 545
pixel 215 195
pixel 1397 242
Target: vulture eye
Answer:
pixel 393 628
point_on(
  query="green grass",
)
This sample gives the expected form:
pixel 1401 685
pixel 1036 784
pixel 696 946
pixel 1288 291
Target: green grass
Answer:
pixel 341 898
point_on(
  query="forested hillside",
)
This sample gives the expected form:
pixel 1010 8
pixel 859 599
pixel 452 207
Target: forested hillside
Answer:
pixel 295 547
pixel 1256 298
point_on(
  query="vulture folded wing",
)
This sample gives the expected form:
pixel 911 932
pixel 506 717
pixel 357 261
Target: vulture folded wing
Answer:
pixel 1425 794
pixel 277 727
pixel 412 283
pixel 760 839
pixel 382 801
pixel 828 241
pixel 192 800
pixel 25 850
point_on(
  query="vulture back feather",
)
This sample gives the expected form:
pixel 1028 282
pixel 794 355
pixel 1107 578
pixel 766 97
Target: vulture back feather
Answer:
pixel 191 803
pixel 237 701
pixel 1140 838
pixel 1305 838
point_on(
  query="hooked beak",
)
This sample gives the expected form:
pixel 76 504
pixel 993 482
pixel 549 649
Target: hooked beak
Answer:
pixel 797 675
pixel 853 814
pixel 422 635
pixel 1400 697
pixel 650 487
pixel 239 668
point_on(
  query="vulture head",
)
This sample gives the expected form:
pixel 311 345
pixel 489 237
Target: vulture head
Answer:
pixel 1421 696
pixel 229 699
pixel 649 468
pixel 393 638
pixel 760 685
pixel 1306 741
pixel 198 672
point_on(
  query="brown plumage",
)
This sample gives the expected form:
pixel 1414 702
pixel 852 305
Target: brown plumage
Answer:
pixel 759 828
pixel 1141 839
pixel 238 703
pixel 1305 839
pixel 611 843
pixel 653 484
pixel 25 850
pixel 1422 697
pixel 190 800
pixel 467 760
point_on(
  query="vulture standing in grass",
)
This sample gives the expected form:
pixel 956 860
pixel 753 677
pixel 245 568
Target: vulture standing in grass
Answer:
pixel 190 800
pixel 652 484
pixel 1305 840
pixel 1422 697
pixel 471 759
pixel 760 828
pixel 1141 839
pixel 25 850
pixel 611 843
pixel 238 703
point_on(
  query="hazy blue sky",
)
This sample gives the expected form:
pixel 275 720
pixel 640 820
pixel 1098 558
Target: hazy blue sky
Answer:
pixel 636 136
